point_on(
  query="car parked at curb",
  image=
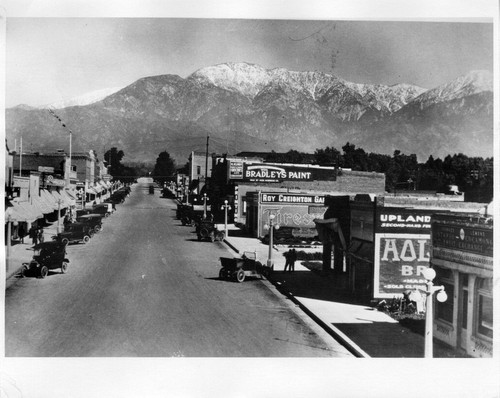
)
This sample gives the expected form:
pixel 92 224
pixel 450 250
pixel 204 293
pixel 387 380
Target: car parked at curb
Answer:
pixel 47 256
pixel 94 221
pixel 75 232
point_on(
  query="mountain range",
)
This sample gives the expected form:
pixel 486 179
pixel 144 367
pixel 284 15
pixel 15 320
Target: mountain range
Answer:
pixel 245 107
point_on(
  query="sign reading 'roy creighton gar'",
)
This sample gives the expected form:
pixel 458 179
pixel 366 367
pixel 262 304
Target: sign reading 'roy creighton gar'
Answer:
pixel 292 198
pixel 256 172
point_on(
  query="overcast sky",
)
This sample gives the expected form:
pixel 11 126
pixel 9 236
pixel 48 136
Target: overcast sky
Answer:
pixel 52 59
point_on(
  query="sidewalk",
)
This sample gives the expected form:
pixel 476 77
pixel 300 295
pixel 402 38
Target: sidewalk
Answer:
pixel 363 330
pixel 23 252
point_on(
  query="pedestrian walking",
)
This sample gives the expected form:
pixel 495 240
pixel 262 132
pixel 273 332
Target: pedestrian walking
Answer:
pixel 40 235
pixel 288 260
pixel 293 258
pixel 21 232
pixel 34 235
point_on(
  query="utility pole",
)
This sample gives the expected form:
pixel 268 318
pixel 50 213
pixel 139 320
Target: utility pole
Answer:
pixel 21 158
pixel 206 163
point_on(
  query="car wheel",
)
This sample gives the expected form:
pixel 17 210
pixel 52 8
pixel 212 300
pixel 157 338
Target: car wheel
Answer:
pixel 65 241
pixel 86 239
pixel 222 273
pixel 97 228
pixel 24 271
pixel 240 275
pixel 106 214
pixel 64 267
pixel 44 271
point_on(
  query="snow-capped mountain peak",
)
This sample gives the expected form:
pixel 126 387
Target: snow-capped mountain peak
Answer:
pixel 472 83
pixel 85 99
pixel 246 78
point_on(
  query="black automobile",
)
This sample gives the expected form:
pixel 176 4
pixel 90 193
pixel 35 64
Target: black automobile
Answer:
pixel 104 209
pixel 93 220
pixel 47 256
pixel 75 232
pixel 206 229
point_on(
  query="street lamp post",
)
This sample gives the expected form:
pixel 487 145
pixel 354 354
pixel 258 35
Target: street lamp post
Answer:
pixel 59 201
pixel 225 207
pixel 204 205
pixel 271 227
pixel 429 274
pixel 7 253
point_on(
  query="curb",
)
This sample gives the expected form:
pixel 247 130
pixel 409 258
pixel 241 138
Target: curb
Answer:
pixel 345 341
pixel 342 338
pixel 234 248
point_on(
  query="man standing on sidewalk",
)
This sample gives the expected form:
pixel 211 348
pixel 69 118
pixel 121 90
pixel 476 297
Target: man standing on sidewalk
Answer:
pixel 293 258
pixel 34 235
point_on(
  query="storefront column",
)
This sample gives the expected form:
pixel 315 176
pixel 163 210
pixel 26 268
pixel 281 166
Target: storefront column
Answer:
pixel 9 243
pixel 471 311
pixel 327 256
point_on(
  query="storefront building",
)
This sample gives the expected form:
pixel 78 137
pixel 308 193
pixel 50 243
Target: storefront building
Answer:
pixel 390 242
pixel 249 177
pixel 462 256
pixel 293 212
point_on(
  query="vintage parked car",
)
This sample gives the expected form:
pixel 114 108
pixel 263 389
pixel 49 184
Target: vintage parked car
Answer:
pixel 240 267
pixel 206 229
pixel 47 256
pixel 75 232
pixel 185 213
pixel 94 221
pixel 105 209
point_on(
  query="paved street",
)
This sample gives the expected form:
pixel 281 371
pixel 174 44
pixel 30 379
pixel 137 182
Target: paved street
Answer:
pixel 145 286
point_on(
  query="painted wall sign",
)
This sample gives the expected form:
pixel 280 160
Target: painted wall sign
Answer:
pixel 401 220
pixel 472 240
pixel 45 169
pixel 267 172
pixel 55 181
pixel 399 262
pixel 235 170
pixel 291 198
pixel 296 216
pixel 21 182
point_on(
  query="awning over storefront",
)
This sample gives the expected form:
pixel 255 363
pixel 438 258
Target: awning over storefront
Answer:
pixel 60 200
pixel 102 184
pixel 71 199
pixel 22 212
pixel 361 250
pixel 41 205
pixel 97 188
pixel 49 199
pixel 91 191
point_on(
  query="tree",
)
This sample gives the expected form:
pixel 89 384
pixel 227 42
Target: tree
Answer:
pixel 113 158
pixel 327 157
pixel 164 167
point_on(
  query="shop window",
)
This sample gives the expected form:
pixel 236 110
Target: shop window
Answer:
pixel 444 311
pixel 485 307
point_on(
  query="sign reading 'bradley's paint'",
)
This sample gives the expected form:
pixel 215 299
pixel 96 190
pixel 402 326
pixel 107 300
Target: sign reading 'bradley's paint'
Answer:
pixel 257 172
